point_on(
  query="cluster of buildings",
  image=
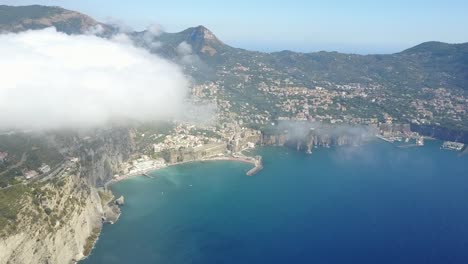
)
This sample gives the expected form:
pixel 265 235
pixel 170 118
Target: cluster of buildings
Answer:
pixel 142 165
pixel 186 136
pixel 208 90
pixel 439 104
pixel 326 101
pixel 3 156
pixel 43 169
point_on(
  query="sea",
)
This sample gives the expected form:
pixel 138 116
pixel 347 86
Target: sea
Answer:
pixel 375 203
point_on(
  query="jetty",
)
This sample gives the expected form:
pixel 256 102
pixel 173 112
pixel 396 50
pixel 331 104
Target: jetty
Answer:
pixel 258 166
pixel 385 139
pixel 147 175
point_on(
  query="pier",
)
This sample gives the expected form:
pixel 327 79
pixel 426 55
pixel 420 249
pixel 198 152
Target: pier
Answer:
pixel 258 166
pixel 385 139
pixel 147 175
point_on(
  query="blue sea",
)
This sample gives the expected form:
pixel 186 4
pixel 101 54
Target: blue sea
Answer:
pixel 376 203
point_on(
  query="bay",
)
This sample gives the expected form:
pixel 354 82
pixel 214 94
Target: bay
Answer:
pixel 375 203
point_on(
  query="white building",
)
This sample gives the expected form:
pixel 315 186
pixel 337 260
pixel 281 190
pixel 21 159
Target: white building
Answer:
pixel 30 174
pixel 44 168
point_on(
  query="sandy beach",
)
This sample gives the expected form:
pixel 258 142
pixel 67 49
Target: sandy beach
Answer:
pixel 245 159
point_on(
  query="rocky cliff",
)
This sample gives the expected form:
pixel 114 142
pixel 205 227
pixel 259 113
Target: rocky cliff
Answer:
pixel 61 217
pixel 102 154
pixel 306 141
pixel 55 223
pixel 441 133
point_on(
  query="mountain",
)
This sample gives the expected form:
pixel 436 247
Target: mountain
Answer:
pixel 437 48
pixel 202 40
pixel 430 64
pixel 395 81
pixel 20 18
pixel 440 61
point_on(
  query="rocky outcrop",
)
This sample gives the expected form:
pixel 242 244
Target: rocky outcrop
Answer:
pixel 278 139
pixel 441 133
pixel 62 217
pixel 21 18
pixel 61 235
pixel 102 155
pixel 306 141
pixel 120 201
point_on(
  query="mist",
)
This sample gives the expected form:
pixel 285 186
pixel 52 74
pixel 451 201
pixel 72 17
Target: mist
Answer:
pixel 300 130
pixel 51 80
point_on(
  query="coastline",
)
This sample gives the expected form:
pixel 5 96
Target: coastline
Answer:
pixel 239 158
pixel 244 159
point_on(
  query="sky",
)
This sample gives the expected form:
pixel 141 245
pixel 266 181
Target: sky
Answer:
pixel 302 25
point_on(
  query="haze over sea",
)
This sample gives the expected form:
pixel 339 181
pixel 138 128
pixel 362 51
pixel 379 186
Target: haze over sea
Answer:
pixel 375 203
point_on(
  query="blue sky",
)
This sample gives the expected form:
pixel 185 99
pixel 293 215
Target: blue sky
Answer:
pixel 347 26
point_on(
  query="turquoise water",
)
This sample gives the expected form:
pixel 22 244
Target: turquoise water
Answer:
pixel 371 204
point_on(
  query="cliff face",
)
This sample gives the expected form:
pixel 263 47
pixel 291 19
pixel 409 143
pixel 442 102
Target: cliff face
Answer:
pixel 61 217
pixel 57 229
pixel 306 143
pixel 274 139
pixel 441 133
pixel 102 155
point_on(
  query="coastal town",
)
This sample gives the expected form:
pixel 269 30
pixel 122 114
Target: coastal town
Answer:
pixel 232 133
pixel 233 153
pixel 336 103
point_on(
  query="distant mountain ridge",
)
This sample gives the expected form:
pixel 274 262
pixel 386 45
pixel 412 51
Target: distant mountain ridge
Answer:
pixel 435 46
pixel 20 18
pixel 241 72
pixel 429 64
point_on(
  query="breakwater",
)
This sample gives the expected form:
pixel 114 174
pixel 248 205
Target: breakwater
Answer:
pixel 258 166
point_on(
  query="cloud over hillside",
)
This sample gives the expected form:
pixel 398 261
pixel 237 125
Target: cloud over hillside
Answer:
pixel 53 80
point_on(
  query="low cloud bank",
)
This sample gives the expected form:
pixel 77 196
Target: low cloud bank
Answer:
pixel 51 80
pixel 300 130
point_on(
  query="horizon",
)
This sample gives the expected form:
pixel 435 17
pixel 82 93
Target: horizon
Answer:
pixel 363 28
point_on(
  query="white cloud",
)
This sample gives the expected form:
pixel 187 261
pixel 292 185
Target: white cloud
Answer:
pixel 95 30
pixel 119 24
pixel 149 36
pixel 184 49
pixel 154 29
pixel 186 56
pixel 53 80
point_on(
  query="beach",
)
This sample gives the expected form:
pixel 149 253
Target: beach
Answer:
pixel 239 158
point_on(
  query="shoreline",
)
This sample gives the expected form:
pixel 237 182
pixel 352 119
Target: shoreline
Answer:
pixel 244 159
pixel 258 166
